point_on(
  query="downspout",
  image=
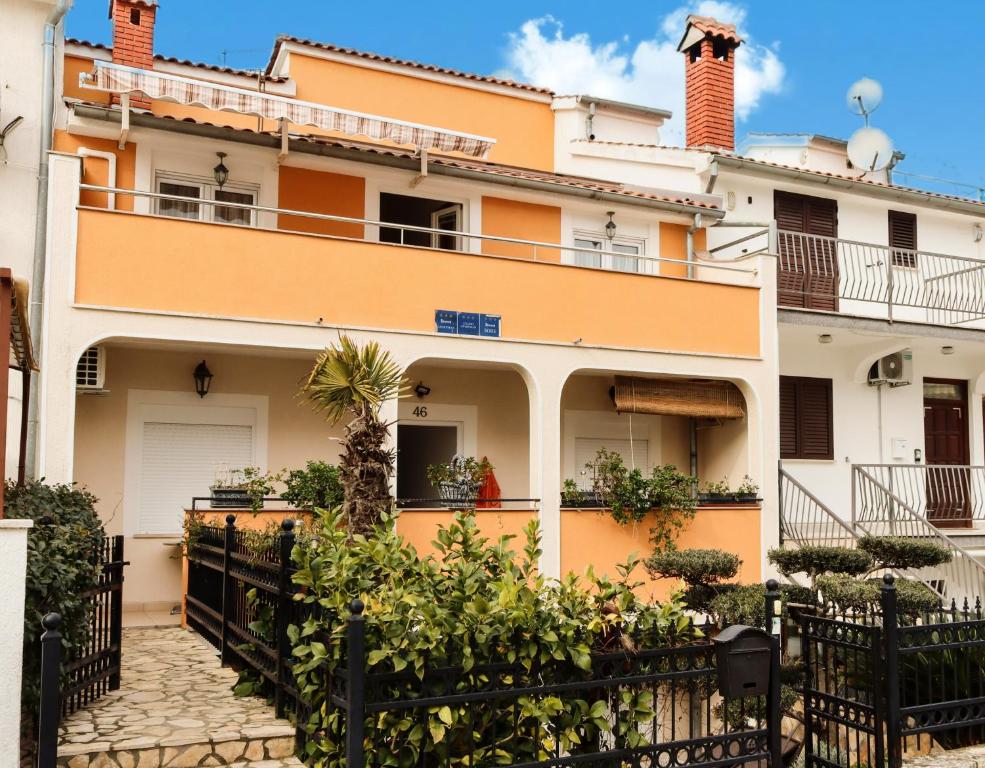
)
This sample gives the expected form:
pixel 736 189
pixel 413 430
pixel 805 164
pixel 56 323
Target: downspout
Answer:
pixel 690 244
pixel 51 23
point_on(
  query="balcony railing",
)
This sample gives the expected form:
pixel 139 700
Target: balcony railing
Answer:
pixel 268 218
pixel 831 274
pixel 949 496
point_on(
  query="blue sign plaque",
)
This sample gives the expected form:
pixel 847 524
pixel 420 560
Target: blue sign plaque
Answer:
pixel 468 323
pixel 446 321
pixel 489 326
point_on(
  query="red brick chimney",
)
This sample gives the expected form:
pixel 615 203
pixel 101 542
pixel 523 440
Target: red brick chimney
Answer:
pixel 709 81
pixel 133 36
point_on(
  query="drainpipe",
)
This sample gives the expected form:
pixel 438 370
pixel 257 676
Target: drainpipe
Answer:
pixel 690 244
pixel 110 159
pixel 51 23
pixel 712 175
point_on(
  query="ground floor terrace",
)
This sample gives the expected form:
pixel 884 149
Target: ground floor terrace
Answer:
pixel 139 436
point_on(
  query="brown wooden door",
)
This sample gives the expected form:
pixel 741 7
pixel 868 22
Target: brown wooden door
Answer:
pixel 808 269
pixel 945 424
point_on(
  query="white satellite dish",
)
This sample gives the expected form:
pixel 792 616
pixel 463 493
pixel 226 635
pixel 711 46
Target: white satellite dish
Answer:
pixel 864 96
pixel 870 149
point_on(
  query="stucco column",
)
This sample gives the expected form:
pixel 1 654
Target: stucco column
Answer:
pixel 13 571
pixel 389 413
pixel 545 463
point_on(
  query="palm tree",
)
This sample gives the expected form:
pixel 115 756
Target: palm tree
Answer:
pixel 348 380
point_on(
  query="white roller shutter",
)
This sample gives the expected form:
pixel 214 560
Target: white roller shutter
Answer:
pixel 178 461
pixel 635 455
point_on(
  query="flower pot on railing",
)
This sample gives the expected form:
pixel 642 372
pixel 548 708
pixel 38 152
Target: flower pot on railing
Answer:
pixel 457 495
pixel 229 498
pixel 582 500
pixel 728 498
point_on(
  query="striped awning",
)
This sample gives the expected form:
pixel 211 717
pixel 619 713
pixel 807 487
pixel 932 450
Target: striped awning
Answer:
pixel 119 79
pixel 679 397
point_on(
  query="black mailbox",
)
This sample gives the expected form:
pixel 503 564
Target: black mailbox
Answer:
pixel 743 657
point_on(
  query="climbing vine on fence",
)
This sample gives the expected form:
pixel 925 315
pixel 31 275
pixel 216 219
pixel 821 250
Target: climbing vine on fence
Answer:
pixel 475 602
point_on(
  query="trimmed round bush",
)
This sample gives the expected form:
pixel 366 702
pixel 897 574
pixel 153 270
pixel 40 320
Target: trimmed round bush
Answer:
pixel 814 561
pixel 694 566
pixel 912 597
pixel 901 552
pixel 740 604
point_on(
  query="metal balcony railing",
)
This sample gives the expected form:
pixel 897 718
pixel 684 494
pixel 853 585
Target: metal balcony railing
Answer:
pixel 806 521
pixel 826 273
pixel 395 234
pixel 950 496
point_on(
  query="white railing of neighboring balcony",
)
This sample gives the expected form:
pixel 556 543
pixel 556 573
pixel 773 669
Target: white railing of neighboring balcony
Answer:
pixel 460 242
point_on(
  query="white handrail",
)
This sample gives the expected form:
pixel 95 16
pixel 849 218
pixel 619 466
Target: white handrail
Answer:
pixel 407 228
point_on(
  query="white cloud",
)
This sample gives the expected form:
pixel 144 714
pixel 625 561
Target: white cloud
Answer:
pixel 651 73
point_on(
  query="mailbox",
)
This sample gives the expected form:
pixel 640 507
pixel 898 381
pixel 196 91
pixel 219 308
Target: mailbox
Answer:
pixel 743 657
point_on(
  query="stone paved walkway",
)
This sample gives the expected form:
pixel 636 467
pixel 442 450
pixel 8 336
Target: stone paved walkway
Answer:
pixel 174 709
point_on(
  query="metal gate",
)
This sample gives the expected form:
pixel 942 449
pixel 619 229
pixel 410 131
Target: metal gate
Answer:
pixel 844 706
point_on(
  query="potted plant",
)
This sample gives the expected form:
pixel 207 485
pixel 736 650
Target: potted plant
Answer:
pixel 748 490
pixel 574 496
pixel 240 489
pixel 720 492
pixel 459 480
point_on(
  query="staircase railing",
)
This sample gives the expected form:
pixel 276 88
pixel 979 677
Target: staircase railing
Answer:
pixel 878 510
pixel 945 494
pixel 805 520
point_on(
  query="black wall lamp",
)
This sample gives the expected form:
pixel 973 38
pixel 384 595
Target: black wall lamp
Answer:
pixel 422 389
pixel 220 172
pixel 203 379
pixel 610 228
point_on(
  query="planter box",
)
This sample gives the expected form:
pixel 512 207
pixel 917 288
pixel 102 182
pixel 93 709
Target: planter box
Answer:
pixel 728 498
pixel 229 498
pixel 588 500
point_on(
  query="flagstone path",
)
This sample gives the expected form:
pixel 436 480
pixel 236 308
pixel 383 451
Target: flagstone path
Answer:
pixel 174 709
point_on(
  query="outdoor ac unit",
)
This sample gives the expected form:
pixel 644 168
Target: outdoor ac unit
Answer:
pixel 90 373
pixel 893 369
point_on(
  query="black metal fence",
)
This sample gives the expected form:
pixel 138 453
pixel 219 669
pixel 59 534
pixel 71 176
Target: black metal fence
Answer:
pixel 90 668
pixel 880 684
pixel 241 599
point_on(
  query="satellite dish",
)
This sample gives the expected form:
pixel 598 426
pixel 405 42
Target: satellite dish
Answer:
pixel 864 96
pixel 870 149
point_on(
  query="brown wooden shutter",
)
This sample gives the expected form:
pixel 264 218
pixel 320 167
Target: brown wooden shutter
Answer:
pixel 806 418
pixel 903 238
pixel 788 417
pixel 808 269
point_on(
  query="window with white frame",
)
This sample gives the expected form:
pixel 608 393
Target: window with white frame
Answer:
pixel 181 185
pixel 620 253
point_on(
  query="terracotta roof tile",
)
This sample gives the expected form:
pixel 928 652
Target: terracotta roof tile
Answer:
pixel 184 62
pixel 403 63
pixel 714 27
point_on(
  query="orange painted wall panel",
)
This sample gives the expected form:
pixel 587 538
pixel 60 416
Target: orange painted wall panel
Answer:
pixel 75 66
pixel 590 537
pixel 523 221
pixel 523 129
pixel 95 170
pixel 419 527
pixel 233 271
pixel 335 194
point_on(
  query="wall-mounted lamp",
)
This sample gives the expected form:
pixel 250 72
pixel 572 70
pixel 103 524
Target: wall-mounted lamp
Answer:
pixel 825 338
pixel 610 228
pixel 422 389
pixel 947 349
pixel 978 232
pixel 220 172
pixel 203 379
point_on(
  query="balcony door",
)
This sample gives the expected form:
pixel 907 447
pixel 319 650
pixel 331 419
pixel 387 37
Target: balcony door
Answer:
pixel 945 424
pixel 807 274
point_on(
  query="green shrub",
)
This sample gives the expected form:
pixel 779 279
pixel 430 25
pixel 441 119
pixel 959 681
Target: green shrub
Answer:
pixel 847 593
pixel 739 604
pixel 317 485
pixel 473 603
pixel 694 566
pixel 899 552
pixel 814 561
pixel 63 552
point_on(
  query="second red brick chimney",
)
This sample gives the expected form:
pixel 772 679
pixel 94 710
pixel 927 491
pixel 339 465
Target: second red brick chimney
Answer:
pixel 709 81
pixel 133 36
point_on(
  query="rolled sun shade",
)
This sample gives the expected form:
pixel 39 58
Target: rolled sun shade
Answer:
pixel 679 397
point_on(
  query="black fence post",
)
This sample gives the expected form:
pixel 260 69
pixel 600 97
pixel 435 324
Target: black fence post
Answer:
pixel 283 612
pixel 51 694
pixel 774 711
pixel 116 613
pixel 227 591
pixel 890 634
pixel 356 689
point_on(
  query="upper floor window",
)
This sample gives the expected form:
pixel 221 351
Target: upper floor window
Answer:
pixel 806 418
pixel 423 213
pixel 903 238
pixel 180 185
pixel 621 253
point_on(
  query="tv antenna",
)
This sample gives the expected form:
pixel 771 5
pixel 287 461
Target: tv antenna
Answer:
pixel 869 149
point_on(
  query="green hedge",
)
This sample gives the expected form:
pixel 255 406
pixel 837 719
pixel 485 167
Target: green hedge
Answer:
pixel 847 593
pixel 694 566
pixel 899 552
pixel 815 560
pixel 63 550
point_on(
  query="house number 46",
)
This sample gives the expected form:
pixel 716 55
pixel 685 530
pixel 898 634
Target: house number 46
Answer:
pixel 421 411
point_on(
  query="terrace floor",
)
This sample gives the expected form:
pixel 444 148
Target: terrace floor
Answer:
pixel 174 708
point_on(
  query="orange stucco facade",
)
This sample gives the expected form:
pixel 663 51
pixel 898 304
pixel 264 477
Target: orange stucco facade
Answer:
pixel 95 170
pixel 333 194
pixel 521 221
pixel 592 538
pixel 420 526
pixel 243 272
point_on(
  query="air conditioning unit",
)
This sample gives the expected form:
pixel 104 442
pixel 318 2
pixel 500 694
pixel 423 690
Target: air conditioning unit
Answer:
pixel 894 369
pixel 90 373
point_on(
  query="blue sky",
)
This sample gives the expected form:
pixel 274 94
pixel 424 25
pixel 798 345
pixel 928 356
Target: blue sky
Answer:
pixel 801 58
